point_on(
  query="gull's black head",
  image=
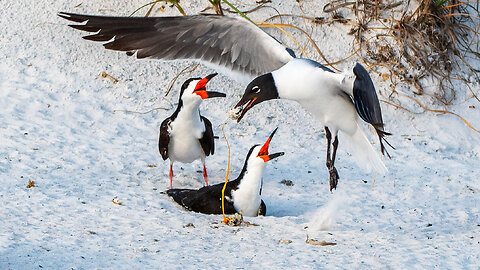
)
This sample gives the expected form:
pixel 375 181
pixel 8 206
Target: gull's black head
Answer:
pixel 260 89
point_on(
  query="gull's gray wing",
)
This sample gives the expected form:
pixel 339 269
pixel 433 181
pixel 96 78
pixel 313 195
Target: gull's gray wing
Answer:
pixel 228 42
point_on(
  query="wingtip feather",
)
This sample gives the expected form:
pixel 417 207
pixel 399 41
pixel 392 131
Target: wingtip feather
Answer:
pixel 72 17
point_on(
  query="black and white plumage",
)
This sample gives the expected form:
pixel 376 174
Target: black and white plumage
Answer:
pixel 336 100
pixel 242 195
pixel 186 135
pixel 238 46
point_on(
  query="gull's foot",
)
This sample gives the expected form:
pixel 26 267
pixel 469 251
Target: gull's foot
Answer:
pixel 333 178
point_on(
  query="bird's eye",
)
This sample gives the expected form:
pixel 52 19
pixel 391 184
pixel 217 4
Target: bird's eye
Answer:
pixel 256 89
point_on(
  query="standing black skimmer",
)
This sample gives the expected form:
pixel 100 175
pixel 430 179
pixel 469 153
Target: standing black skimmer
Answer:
pixel 242 195
pixel 186 135
pixel 246 52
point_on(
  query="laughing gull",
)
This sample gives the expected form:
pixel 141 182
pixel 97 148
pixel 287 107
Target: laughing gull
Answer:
pixel 336 100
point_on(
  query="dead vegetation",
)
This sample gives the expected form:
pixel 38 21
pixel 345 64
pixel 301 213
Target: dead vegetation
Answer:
pixel 31 184
pixel 417 43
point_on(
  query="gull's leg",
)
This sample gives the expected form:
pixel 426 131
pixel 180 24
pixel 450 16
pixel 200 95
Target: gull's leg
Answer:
pixel 331 159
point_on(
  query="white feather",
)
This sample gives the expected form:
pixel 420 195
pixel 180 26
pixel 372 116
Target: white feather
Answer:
pixel 246 198
pixel 187 129
pixel 366 157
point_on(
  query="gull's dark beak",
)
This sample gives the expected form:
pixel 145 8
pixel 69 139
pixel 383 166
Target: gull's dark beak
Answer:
pixel 244 105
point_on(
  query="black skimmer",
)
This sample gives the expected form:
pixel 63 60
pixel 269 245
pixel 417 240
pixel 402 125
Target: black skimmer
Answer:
pixel 186 135
pixel 242 49
pixel 242 195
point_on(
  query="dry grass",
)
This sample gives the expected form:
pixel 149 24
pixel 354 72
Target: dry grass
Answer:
pixel 151 5
pixel 433 41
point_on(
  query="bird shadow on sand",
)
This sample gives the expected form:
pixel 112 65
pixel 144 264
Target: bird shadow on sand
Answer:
pixel 285 207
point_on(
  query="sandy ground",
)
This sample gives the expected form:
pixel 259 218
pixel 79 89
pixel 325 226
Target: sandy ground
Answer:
pixel 81 139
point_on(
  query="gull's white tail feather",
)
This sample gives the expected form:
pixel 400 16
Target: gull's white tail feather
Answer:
pixel 363 151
